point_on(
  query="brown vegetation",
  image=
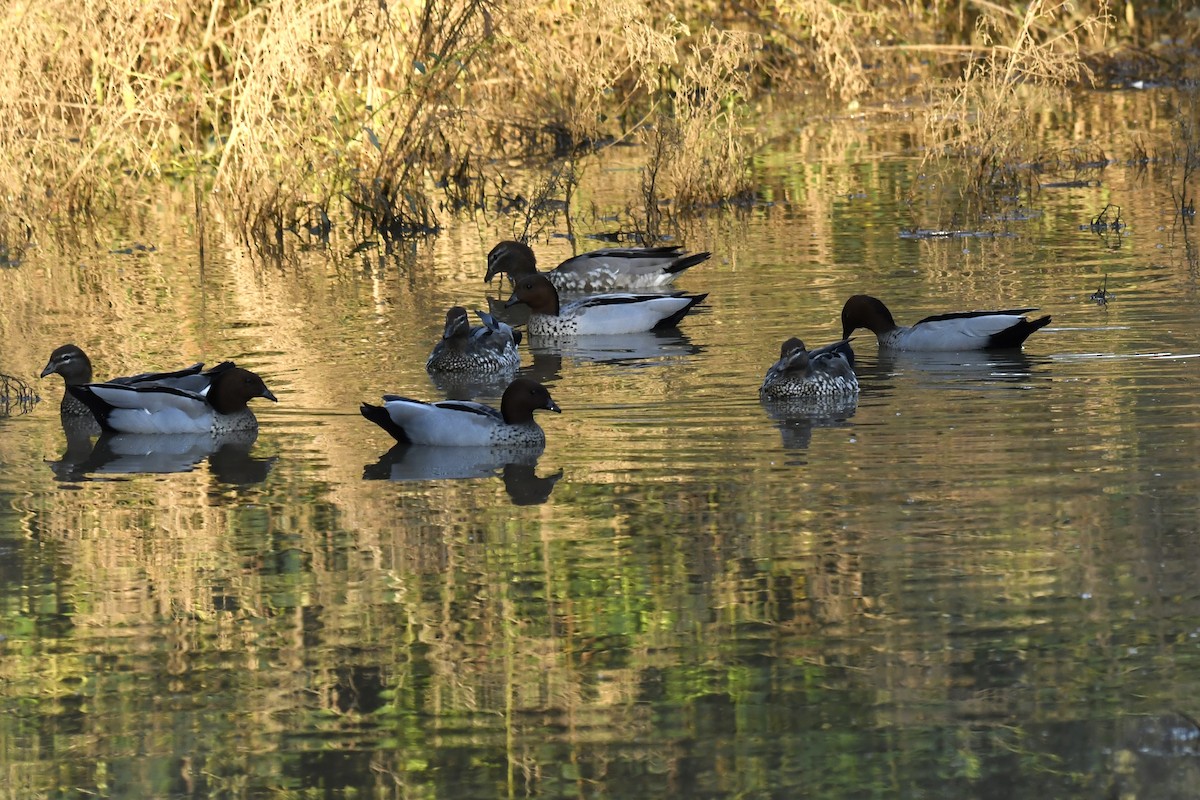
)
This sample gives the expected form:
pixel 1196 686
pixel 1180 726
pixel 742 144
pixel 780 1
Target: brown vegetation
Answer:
pixel 285 111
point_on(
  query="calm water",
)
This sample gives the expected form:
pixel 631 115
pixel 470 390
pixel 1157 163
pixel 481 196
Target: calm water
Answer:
pixel 979 583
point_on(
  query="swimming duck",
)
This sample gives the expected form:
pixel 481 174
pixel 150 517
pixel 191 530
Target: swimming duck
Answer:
pixel 214 401
pixel 598 313
pixel 799 372
pixel 491 347
pixel 462 423
pixel 600 270
pixel 966 330
pixel 76 369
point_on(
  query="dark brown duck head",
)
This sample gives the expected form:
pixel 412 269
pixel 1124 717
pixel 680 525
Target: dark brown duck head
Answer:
pixel 864 311
pixel 457 324
pixel 522 397
pixel 233 388
pixel 537 292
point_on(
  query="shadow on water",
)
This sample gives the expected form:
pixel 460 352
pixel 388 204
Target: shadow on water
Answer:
pixel 982 369
pixel 228 454
pixel 516 467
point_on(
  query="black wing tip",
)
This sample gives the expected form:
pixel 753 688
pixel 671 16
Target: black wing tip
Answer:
pixel 380 416
pixel 96 404
pixel 688 261
pixel 674 320
pixel 1015 336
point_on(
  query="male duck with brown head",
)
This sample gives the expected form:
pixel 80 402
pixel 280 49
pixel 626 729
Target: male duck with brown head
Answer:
pixel 215 401
pixel 964 330
pixel 76 369
pixel 598 314
pixel 612 268
pixel 460 423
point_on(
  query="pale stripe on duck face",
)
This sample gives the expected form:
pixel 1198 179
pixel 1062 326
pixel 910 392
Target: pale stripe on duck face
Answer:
pixel 607 269
pixel 491 347
pixel 803 373
pixel 457 423
pixel 967 330
pixel 602 314
pixel 214 402
pixel 75 367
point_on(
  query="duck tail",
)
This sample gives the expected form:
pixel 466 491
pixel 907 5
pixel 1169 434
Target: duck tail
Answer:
pixel 380 416
pixel 674 320
pixel 1015 336
pixel 684 262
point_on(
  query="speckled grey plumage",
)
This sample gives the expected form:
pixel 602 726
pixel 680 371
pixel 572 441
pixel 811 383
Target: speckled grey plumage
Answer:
pixel 802 373
pixel 491 347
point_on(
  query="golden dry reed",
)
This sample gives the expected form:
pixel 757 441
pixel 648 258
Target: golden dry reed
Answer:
pixel 279 111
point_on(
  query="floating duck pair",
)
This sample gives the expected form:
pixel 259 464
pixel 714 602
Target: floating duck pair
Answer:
pixel 827 371
pixel 185 401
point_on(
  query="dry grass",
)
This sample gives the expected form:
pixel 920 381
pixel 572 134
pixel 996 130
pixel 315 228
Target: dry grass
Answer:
pixel 1023 59
pixel 281 111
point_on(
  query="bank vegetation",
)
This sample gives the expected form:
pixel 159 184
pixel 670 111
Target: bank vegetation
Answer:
pixel 284 114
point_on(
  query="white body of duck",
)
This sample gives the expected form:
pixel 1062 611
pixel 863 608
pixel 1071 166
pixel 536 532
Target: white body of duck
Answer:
pixel 800 373
pixel 460 423
pixel 600 314
pixel 967 330
pixel 75 367
pixel 491 347
pixel 599 270
pixel 210 402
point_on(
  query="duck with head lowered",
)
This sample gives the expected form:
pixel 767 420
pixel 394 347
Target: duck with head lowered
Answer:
pixel 802 373
pixel 613 268
pixel 963 330
pixel 490 347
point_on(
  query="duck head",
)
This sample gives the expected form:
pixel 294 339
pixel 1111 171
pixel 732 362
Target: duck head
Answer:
pixel 515 258
pixel 537 292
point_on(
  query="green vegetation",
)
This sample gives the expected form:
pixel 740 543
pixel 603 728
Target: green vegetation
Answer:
pixel 283 112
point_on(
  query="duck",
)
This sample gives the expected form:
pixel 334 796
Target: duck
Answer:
pixel 802 373
pixel 597 314
pixel 490 347
pixel 75 367
pixel 964 330
pixel 462 423
pixel 612 268
pixel 214 401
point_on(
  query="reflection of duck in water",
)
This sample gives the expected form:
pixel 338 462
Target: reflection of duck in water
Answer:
pixel 964 330
pixel 159 453
pixel 514 465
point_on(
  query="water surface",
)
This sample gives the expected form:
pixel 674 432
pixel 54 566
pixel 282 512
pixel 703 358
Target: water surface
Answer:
pixel 978 581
